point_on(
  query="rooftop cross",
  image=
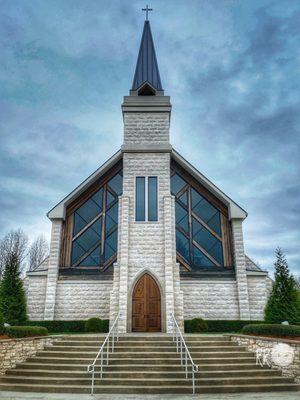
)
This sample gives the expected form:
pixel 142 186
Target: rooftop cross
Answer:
pixel 147 9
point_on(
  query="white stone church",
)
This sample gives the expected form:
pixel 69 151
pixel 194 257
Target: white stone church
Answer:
pixel 147 235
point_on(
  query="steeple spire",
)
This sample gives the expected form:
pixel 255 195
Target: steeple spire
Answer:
pixel 146 67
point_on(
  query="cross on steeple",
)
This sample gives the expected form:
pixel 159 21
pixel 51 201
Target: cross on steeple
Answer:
pixel 147 9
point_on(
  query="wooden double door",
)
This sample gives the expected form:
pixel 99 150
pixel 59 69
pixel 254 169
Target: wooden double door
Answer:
pixel 146 305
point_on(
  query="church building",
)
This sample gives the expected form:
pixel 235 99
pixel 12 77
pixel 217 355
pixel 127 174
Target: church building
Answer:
pixel 147 235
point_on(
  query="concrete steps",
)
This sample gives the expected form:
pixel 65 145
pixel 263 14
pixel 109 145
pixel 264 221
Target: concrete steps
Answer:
pixel 144 364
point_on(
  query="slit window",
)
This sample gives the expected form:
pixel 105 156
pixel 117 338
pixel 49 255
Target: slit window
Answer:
pixel 146 196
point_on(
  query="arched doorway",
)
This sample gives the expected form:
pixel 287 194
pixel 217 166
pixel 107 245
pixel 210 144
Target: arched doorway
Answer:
pixel 146 305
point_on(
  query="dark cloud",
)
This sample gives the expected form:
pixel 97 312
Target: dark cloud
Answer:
pixel 231 69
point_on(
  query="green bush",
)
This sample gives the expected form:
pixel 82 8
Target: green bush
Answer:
pixel 93 325
pixel 195 325
pixel 12 293
pixel 283 304
pixel 224 326
pixel 25 331
pixel 272 329
pixel 105 325
pixel 1 324
pixel 61 326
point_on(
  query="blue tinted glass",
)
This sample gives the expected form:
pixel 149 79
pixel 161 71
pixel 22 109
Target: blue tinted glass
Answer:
pixel 215 223
pixel 177 183
pixel 88 211
pixel 116 183
pixel 109 198
pixel 110 245
pixel 152 198
pixel 112 217
pixel 181 217
pixel 93 260
pixel 87 240
pixel 183 198
pixel 200 260
pixel 205 211
pixel 140 199
pixel 208 241
pixel 182 245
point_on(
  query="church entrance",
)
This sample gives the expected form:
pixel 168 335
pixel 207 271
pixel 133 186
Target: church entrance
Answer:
pixel 146 305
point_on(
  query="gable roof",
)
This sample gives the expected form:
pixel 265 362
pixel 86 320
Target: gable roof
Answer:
pixel 235 211
pixel 59 211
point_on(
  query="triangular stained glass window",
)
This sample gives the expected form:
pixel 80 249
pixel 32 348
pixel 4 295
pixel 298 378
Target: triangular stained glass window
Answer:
pixel 200 260
pixel 110 245
pixel 177 183
pixel 182 245
pixel 116 183
pixel 88 211
pixel 109 198
pixel 181 217
pixel 111 218
pixel 205 211
pixel 87 240
pixel 184 198
pixel 93 260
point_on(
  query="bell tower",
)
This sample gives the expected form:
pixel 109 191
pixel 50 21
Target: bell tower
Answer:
pixel 146 213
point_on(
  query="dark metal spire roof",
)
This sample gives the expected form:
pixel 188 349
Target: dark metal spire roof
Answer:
pixel 146 66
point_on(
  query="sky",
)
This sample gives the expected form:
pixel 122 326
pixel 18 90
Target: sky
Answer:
pixel 231 68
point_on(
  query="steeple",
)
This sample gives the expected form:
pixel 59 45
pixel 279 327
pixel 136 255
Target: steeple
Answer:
pixel 146 77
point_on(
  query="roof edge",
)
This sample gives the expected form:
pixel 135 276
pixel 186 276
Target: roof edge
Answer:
pixel 235 211
pixel 59 211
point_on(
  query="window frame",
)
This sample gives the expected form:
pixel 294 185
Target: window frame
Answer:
pixel 146 196
pixel 225 237
pixel 67 232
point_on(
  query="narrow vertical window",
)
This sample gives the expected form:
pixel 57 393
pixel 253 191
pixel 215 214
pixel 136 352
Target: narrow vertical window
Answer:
pixel 146 208
pixel 152 198
pixel 140 199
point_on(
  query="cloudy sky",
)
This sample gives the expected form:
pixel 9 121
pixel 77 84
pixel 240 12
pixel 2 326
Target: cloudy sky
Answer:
pixel 230 66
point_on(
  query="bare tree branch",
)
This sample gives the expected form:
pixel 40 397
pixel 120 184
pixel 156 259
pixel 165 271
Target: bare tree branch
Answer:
pixel 38 251
pixel 14 243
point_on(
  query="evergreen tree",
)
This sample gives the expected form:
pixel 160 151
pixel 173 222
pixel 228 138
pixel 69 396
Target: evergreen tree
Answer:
pixel 12 293
pixel 282 304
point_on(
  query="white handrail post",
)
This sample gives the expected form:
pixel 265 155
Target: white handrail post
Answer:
pixel 107 350
pixel 186 366
pixel 113 340
pixel 101 364
pixel 193 372
pixel 93 377
pixel 181 351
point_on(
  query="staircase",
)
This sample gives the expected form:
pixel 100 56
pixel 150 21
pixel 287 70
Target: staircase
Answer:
pixel 144 364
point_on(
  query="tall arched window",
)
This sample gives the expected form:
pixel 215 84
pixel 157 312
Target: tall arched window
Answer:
pixel 202 226
pixel 91 235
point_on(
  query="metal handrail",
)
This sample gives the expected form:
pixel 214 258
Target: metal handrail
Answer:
pixel 114 334
pixel 185 355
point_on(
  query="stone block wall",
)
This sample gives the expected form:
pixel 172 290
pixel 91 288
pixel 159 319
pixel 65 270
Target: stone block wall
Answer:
pixel 210 299
pixel 35 293
pixel 141 128
pixel 77 300
pixel 14 351
pixel 258 296
pixel 253 343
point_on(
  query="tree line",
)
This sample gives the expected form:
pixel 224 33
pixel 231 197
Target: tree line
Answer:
pixel 29 255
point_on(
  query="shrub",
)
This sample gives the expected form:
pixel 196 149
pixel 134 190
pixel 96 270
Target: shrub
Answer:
pixel 195 325
pixel 26 331
pixel 61 326
pixel 1 324
pixel 229 326
pixel 283 304
pixel 93 325
pixel 272 329
pixel 12 294
pixel 105 325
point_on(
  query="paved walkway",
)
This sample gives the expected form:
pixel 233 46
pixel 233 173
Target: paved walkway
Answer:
pixel 237 396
